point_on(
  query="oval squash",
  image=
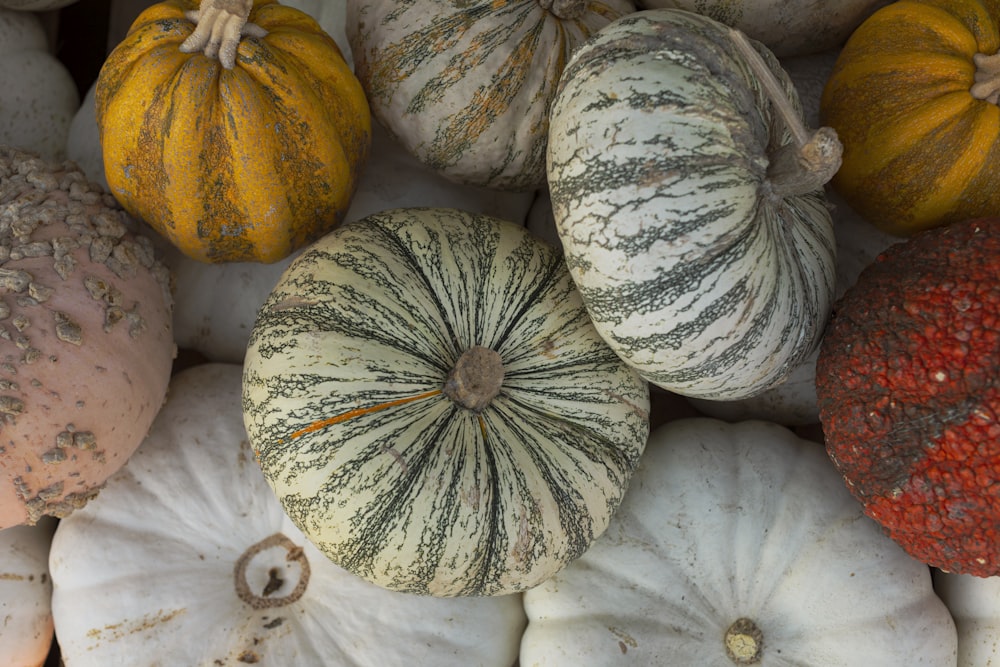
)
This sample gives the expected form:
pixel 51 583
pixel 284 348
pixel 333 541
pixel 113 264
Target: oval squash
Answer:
pixel 241 164
pixel 432 406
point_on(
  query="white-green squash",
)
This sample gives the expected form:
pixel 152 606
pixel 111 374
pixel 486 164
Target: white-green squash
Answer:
pixel 690 210
pixel 466 86
pixel 26 628
pixel 186 559
pixel 737 544
pixel 974 603
pixel 431 404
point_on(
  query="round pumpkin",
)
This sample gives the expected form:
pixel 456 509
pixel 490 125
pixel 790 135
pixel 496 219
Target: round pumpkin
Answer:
pixel 27 629
pixel 86 345
pixel 241 163
pixel 704 252
pixel 974 603
pixel 431 404
pixel 218 575
pixel 466 86
pixel 913 97
pixel 737 544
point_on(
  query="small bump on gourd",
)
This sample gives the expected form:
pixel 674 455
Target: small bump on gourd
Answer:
pixel 476 378
pixel 744 642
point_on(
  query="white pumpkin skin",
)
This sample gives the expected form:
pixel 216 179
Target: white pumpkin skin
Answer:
pixel 347 407
pixel 186 553
pixel 26 627
pixel 466 86
pixel 693 269
pixel 39 95
pixel 787 27
pixel 974 603
pixel 729 521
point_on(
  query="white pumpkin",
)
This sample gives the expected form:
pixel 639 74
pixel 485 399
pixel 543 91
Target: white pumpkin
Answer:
pixel 186 558
pixel 39 94
pixel 737 544
pixel 703 250
pixel 787 27
pixel 26 628
pixel 974 603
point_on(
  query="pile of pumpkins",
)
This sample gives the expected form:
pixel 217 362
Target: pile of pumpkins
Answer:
pixel 381 332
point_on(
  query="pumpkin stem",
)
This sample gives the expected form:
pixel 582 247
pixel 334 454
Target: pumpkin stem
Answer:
pixel 476 378
pixel 259 593
pixel 813 157
pixel 744 642
pixel 987 78
pixel 219 26
pixel 564 9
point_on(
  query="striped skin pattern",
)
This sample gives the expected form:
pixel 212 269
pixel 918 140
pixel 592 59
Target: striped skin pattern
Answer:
pixel 693 270
pixel 247 164
pixel 390 478
pixel 466 86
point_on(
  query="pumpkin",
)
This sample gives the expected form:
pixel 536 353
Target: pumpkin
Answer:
pixel 85 338
pixel 466 86
pixel 39 94
pixel 247 160
pixel 225 576
pixel 26 594
pixel 908 396
pixel 704 254
pixel 431 404
pixel 736 544
pixel 974 603
pixel 913 99
pixel 786 27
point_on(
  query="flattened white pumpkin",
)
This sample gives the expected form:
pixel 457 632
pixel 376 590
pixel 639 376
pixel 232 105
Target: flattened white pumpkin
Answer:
pixel 346 406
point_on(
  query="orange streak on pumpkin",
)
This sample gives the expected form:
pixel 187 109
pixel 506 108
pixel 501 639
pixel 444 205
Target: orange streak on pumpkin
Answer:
pixel 359 412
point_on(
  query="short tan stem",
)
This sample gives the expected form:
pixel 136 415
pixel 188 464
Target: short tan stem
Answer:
pixel 219 27
pixel 476 378
pixel 987 78
pixel 565 9
pixel 813 157
pixel 744 642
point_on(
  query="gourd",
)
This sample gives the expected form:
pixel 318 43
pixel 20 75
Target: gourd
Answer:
pixel 913 97
pixel 26 630
pixel 85 338
pixel 466 87
pixel 786 27
pixel 974 604
pixel 431 404
pixel 244 154
pixel 705 254
pixel 39 94
pixel 225 577
pixel 737 544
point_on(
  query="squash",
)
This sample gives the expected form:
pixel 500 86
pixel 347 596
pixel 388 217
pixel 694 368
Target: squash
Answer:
pixel 705 254
pixel 245 162
pixel 85 338
pixel 786 27
pixel 26 630
pixel 736 544
pixel 974 603
pixel 431 404
pixel 39 94
pixel 225 576
pixel 913 99
pixel 466 86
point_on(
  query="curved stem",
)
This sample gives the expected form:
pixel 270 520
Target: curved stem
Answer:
pixel 220 24
pixel 813 157
pixel 987 78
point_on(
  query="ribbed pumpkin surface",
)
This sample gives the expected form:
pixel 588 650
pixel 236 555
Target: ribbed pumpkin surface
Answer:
pixel 919 149
pixel 386 474
pixel 247 164
pixel 466 86
pixel 692 269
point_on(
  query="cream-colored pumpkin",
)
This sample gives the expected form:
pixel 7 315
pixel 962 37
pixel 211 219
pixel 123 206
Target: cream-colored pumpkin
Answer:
pixel 974 603
pixel 39 95
pixel 26 627
pixel 186 559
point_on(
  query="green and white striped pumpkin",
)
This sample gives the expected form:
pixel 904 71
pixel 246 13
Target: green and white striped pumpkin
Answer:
pixel 354 404
pixel 466 86
pixel 699 259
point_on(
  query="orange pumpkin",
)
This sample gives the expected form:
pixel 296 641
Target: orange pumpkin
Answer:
pixel 241 163
pixel 913 99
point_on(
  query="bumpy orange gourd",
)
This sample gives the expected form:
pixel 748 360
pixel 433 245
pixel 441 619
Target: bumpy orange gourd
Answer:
pixel 247 163
pixel 913 98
